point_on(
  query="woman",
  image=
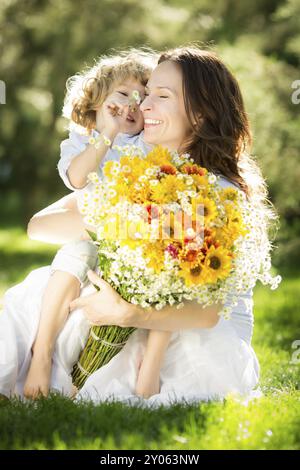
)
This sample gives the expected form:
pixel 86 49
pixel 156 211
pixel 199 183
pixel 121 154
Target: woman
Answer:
pixel 193 105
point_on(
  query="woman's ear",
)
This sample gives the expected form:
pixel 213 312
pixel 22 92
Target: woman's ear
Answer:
pixel 198 119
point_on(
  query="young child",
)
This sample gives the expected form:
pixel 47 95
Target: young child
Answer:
pixel 97 104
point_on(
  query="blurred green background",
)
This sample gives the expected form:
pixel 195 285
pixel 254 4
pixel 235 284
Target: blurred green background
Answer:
pixel 42 43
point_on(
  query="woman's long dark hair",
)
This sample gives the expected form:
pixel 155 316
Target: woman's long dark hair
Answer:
pixel 221 135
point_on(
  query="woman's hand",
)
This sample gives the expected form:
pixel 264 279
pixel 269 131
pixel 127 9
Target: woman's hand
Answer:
pixel 104 307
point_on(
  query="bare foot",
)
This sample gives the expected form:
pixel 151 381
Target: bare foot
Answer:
pixel 147 389
pixel 148 382
pixel 38 377
pixel 74 392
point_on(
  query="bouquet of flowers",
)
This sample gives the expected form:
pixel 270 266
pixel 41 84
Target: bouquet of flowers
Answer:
pixel 167 232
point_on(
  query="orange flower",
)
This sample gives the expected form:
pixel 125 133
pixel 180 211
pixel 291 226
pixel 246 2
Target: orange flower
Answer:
pixel 168 169
pixel 193 170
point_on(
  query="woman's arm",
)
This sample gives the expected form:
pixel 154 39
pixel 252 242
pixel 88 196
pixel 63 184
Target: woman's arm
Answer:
pixel 191 315
pixel 107 307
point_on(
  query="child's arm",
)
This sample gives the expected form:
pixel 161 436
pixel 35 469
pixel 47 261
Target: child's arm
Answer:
pixel 86 162
pixel 79 157
pixel 148 377
pixel 61 222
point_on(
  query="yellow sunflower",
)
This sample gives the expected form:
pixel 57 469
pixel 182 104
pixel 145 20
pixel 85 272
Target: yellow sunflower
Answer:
pixel 193 273
pixel 209 208
pixel 218 263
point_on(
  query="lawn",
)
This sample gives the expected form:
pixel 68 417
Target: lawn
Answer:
pixel 269 422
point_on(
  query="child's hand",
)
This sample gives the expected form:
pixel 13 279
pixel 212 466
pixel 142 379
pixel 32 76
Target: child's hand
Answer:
pixel 110 118
pixel 148 382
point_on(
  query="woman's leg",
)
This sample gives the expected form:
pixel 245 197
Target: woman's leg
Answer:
pixel 59 223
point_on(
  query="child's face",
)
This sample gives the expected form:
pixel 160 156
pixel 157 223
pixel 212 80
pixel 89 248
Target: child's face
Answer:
pixel 134 123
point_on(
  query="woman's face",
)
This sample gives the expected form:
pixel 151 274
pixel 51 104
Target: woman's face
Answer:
pixel 121 94
pixel 165 118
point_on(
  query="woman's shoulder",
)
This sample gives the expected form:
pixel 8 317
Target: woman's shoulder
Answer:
pixel 225 182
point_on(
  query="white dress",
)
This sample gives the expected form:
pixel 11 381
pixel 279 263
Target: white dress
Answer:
pixel 199 364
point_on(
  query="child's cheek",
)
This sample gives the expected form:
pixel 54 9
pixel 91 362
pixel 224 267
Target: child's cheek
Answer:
pixel 140 119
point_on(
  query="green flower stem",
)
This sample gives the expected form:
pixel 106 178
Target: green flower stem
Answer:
pixel 96 354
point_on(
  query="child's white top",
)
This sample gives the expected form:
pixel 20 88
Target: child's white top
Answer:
pixel 77 143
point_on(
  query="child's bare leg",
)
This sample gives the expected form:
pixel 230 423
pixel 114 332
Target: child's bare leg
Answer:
pixel 148 381
pixel 62 288
pixel 69 269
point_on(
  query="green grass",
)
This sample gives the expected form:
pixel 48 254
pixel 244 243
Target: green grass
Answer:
pixel 270 422
pixel 19 256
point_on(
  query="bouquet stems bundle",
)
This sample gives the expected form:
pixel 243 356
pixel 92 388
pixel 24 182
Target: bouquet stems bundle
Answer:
pixel 103 344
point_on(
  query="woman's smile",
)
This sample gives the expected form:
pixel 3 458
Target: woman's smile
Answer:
pixel 148 123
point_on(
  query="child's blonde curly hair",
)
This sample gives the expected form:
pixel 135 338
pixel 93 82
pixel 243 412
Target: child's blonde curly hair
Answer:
pixel 89 88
